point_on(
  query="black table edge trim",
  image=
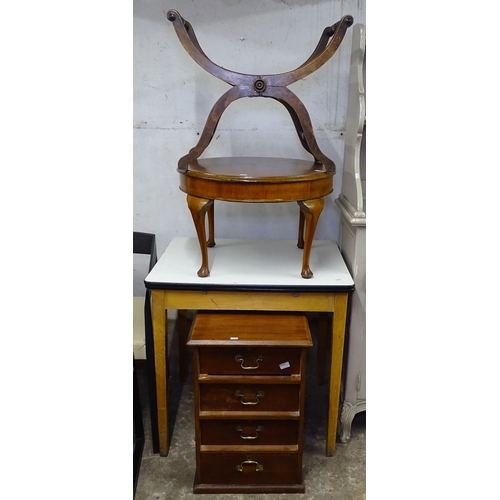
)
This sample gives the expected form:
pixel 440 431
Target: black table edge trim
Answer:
pixel 250 288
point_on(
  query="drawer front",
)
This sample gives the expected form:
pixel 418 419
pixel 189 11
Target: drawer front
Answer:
pixel 250 468
pixel 249 432
pixel 251 361
pixel 249 397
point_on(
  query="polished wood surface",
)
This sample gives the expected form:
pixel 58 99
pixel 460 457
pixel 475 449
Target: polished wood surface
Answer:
pixel 256 169
pixel 237 329
pixel 278 469
pixel 253 179
pixel 235 359
pixel 249 401
pixel 235 397
pixel 254 432
pixel 258 179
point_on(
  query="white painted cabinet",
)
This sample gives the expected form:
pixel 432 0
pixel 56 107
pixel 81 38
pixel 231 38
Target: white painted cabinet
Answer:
pixel 352 206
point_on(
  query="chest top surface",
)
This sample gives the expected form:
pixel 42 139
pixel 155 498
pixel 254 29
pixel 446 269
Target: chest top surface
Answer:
pixel 237 329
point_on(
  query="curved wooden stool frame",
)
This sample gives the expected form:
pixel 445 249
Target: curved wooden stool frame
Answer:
pixel 255 179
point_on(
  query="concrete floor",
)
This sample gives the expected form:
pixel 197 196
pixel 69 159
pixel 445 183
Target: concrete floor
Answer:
pixel 341 477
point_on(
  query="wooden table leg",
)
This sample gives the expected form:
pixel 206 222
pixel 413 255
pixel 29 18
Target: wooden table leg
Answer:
pixel 161 367
pixel 338 332
pixel 322 333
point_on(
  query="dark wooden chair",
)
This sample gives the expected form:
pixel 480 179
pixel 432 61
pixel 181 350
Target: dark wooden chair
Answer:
pixel 258 179
pixel 145 244
pixel 139 437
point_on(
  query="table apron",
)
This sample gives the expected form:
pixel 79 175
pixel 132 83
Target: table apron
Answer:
pixel 248 301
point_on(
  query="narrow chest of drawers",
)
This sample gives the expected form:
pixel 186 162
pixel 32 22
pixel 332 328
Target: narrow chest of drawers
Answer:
pixel 249 396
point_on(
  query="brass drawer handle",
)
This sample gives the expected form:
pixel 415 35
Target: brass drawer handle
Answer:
pixel 259 428
pixel 249 461
pixel 239 394
pixel 239 359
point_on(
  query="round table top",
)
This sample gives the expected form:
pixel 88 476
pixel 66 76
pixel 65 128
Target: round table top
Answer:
pixel 251 168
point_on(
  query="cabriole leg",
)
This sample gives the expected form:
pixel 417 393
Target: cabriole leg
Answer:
pixel 198 208
pixel 311 210
pixel 211 226
pixel 300 241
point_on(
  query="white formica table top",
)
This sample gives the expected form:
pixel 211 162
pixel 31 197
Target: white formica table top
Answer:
pixel 250 265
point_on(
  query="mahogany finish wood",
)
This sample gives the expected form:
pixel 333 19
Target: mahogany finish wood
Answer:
pixel 249 393
pixel 254 432
pixel 212 358
pixel 257 179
